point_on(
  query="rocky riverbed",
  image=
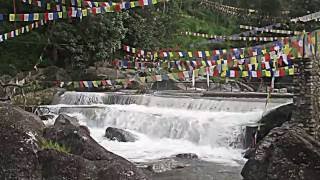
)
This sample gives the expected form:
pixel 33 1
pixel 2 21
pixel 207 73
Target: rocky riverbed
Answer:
pixel 29 150
pixel 66 150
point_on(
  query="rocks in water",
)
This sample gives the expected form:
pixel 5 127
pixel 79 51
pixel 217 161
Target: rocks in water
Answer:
pixel 83 146
pixel 46 117
pixel 19 132
pixel 164 165
pixel 287 152
pixel 119 135
pixel 64 119
pixel 24 155
pixel 187 156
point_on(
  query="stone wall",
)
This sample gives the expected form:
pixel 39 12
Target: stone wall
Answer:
pixel 307 95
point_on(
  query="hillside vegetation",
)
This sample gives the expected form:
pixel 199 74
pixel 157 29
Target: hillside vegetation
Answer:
pixel 75 44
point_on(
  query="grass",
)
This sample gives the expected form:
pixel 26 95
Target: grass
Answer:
pixel 48 144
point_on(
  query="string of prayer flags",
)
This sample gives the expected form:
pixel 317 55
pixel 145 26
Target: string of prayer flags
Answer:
pixel 239 12
pixel 227 54
pixel 182 76
pixel 22 30
pixel 307 18
pixel 77 12
pixel 232 38
pixel 268 61
pixel 50 6
pixel 271 30
pixel 227 9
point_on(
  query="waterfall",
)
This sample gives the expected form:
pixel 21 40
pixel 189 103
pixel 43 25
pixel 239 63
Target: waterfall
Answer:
pixel 207 104
pixel 166 125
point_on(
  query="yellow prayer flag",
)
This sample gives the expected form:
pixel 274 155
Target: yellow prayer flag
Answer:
pixel 95 84
pixel 85 12
pixel 207 53
pixel 170 76
pixel 224 67
pixel 12 17
pixel 268 73
pixel 154 1
pixel 287 49
pixel 253 60
pixel 219 61
pixel 245 74
pixel 224 51
pixel 190 54
pixel 196 73
pixel 223 73
pixel 264 51
pixel 132 4
pixel 48 6
pixel 36 16
pixel 291 71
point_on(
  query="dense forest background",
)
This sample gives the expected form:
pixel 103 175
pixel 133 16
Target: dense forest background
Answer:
pixel 76 44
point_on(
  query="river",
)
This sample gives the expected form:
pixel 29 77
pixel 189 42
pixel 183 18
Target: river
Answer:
pixel 169 125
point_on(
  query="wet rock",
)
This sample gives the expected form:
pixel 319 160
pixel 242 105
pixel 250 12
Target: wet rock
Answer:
pixel 249 153
pixel 58 165
pixel 22 156
pixel 119 135
pixel 168 85
pixel 19 132
pixel 46 117
pixel 274 118
pixel 164 165
pixel 64 119
pixel 187 156
pixel 107 164
pixel 287 152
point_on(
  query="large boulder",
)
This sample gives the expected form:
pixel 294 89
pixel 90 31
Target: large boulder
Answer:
pixel 58 165
pixel 20 133
pixel 120 135
pixel 64 119
pixel 287 152
pixel 275 118
pixel 272 119
pixel 106 164
pixel 41 97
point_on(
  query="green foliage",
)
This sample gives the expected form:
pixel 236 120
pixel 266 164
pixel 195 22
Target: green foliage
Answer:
pixel 48 144
pixel 75 44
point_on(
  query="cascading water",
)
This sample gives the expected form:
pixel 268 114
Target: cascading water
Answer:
pixel 165 126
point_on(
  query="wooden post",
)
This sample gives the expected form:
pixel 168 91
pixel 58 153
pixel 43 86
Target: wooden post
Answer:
pixel 14 10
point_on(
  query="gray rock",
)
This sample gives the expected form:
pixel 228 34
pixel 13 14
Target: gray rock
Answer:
pixel 164 165
pixel 58 165
pixel 20 132
pixel 23 157
pixel 119 135
pixel 187 156
pixel 83 149
pixel 285 153
pixel 274 119
pixel 64 119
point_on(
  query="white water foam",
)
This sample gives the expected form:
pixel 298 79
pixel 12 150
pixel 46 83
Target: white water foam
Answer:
pixel 164 126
